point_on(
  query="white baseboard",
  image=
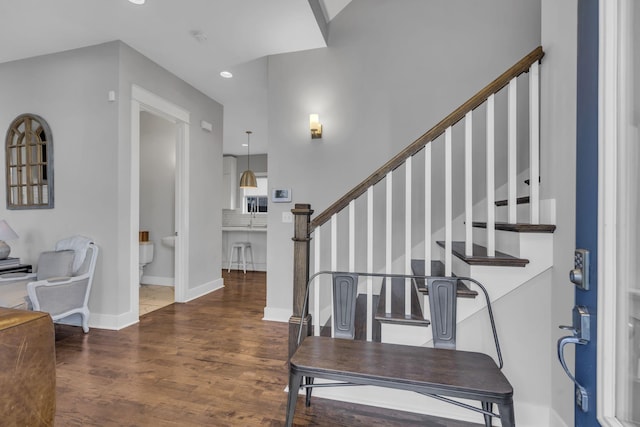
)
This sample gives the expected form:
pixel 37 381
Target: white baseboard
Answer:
pixel 556 421
pixel 277 314
pixel 157 280
pixel 111 321
pixel 204 289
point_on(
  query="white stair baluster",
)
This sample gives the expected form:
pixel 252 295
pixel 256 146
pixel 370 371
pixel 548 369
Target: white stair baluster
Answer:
pixel 468 186
pixel 448 198
pixel 389 241
pixel 352 236
pixel 491 212
pixel 316 288
pixel 407 234
pixel 512 147
pixel 428 205
pixel 370 244
pixel 334 263
pixel 534 143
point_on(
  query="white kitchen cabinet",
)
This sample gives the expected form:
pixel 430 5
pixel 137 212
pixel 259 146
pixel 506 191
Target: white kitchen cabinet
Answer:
pixel 229 182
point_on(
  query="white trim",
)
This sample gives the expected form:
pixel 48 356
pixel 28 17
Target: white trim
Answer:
pixel 204 289
pixel 143 100
pixel 157 280
pixel 277 314
pixel 607 210
pixel 112 322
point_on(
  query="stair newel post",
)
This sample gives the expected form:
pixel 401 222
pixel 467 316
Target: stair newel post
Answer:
pixel 301 239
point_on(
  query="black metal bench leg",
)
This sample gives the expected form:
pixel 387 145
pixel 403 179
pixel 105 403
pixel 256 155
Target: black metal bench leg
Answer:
pixel 308 381
pixel 295 381
pixel 507 417
pixel 487 406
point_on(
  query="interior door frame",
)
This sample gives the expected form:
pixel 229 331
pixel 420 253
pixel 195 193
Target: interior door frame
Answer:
pixel 144 100
pixel 611 65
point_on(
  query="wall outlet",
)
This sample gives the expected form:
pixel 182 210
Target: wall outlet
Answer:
pixel 287 217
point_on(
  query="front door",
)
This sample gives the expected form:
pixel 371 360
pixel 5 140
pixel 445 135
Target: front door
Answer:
pixel 587 205
pixel 607 364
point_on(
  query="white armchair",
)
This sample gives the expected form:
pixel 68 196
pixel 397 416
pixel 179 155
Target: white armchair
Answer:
pixel 62 286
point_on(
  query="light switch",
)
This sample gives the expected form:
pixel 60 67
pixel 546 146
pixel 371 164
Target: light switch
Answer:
pixel 287 217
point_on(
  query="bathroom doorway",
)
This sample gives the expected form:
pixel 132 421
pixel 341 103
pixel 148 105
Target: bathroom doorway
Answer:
pixel 158 139
pixel 152 116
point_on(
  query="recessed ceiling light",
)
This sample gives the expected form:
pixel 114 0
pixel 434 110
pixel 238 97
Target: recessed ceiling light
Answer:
pixel 226 74
pixel 137 1
pixel 245 145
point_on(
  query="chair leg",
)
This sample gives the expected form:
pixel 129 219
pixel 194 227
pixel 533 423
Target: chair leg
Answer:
pixel 294 386
pixel 85 322
pixel 244 259
pixel 308 381
pixel 487 406
pixel 507 417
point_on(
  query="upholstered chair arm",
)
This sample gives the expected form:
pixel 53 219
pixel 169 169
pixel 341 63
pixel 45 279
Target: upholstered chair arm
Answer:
pixel 59 296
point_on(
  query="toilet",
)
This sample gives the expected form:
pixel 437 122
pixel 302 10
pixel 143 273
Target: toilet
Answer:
pixel 146 255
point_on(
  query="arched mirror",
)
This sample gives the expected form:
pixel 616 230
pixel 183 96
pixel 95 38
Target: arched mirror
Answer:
pixel 29 163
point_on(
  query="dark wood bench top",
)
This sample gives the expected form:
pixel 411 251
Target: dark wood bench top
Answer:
pixel 449 372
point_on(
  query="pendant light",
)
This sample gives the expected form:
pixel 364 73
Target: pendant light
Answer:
pixel 248 178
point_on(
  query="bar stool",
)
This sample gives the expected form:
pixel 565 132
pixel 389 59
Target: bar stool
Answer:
pixel 243 248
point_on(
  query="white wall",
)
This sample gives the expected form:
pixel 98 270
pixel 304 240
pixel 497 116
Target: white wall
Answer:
pixel 157 193
pixel 391 71
pixel 91 140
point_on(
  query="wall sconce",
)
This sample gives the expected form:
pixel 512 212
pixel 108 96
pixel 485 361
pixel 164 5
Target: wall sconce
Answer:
pixel 315 126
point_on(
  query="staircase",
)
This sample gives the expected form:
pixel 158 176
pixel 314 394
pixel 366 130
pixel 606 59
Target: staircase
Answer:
pixel 423 213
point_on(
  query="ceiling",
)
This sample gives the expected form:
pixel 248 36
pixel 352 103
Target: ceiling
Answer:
pixel 235 35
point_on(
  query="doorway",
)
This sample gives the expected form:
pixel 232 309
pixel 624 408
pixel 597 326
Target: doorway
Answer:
pixel 158 141
pixel 155 107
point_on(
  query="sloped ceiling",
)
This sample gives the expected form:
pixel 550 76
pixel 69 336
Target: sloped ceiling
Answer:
pixel 234 35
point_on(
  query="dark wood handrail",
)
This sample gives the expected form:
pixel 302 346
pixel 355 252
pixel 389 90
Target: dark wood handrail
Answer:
pixel 458 114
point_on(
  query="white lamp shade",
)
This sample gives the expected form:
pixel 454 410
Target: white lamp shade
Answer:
pixel 6 232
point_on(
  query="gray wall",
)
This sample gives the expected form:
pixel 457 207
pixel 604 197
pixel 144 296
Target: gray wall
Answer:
pixel 91 138
pixel 69 90
pixel 205 161
pixel 157 191
pixel 391 71
pixel 557 162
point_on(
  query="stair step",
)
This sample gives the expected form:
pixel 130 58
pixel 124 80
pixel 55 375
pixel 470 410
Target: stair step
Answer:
pixel 519 228
pixel 397 315
pixel 519 201
pixel 437 269
pixel 480 257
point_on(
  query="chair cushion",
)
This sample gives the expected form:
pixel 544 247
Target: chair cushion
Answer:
pixel 55 264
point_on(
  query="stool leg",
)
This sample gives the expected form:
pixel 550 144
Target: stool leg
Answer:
pixel 230 258
pixel 244 259
pixel 253 266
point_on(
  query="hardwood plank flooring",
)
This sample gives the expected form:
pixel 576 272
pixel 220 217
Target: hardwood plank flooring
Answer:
pixel 209 362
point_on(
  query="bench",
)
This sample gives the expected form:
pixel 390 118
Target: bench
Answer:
pixel 441 372
pixel 431 371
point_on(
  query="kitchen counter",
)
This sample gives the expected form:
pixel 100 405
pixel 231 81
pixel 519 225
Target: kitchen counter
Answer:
pixel 256 235
pixel 245 228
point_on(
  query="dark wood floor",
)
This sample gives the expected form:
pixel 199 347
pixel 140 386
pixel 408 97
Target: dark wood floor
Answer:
pixel 210 362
